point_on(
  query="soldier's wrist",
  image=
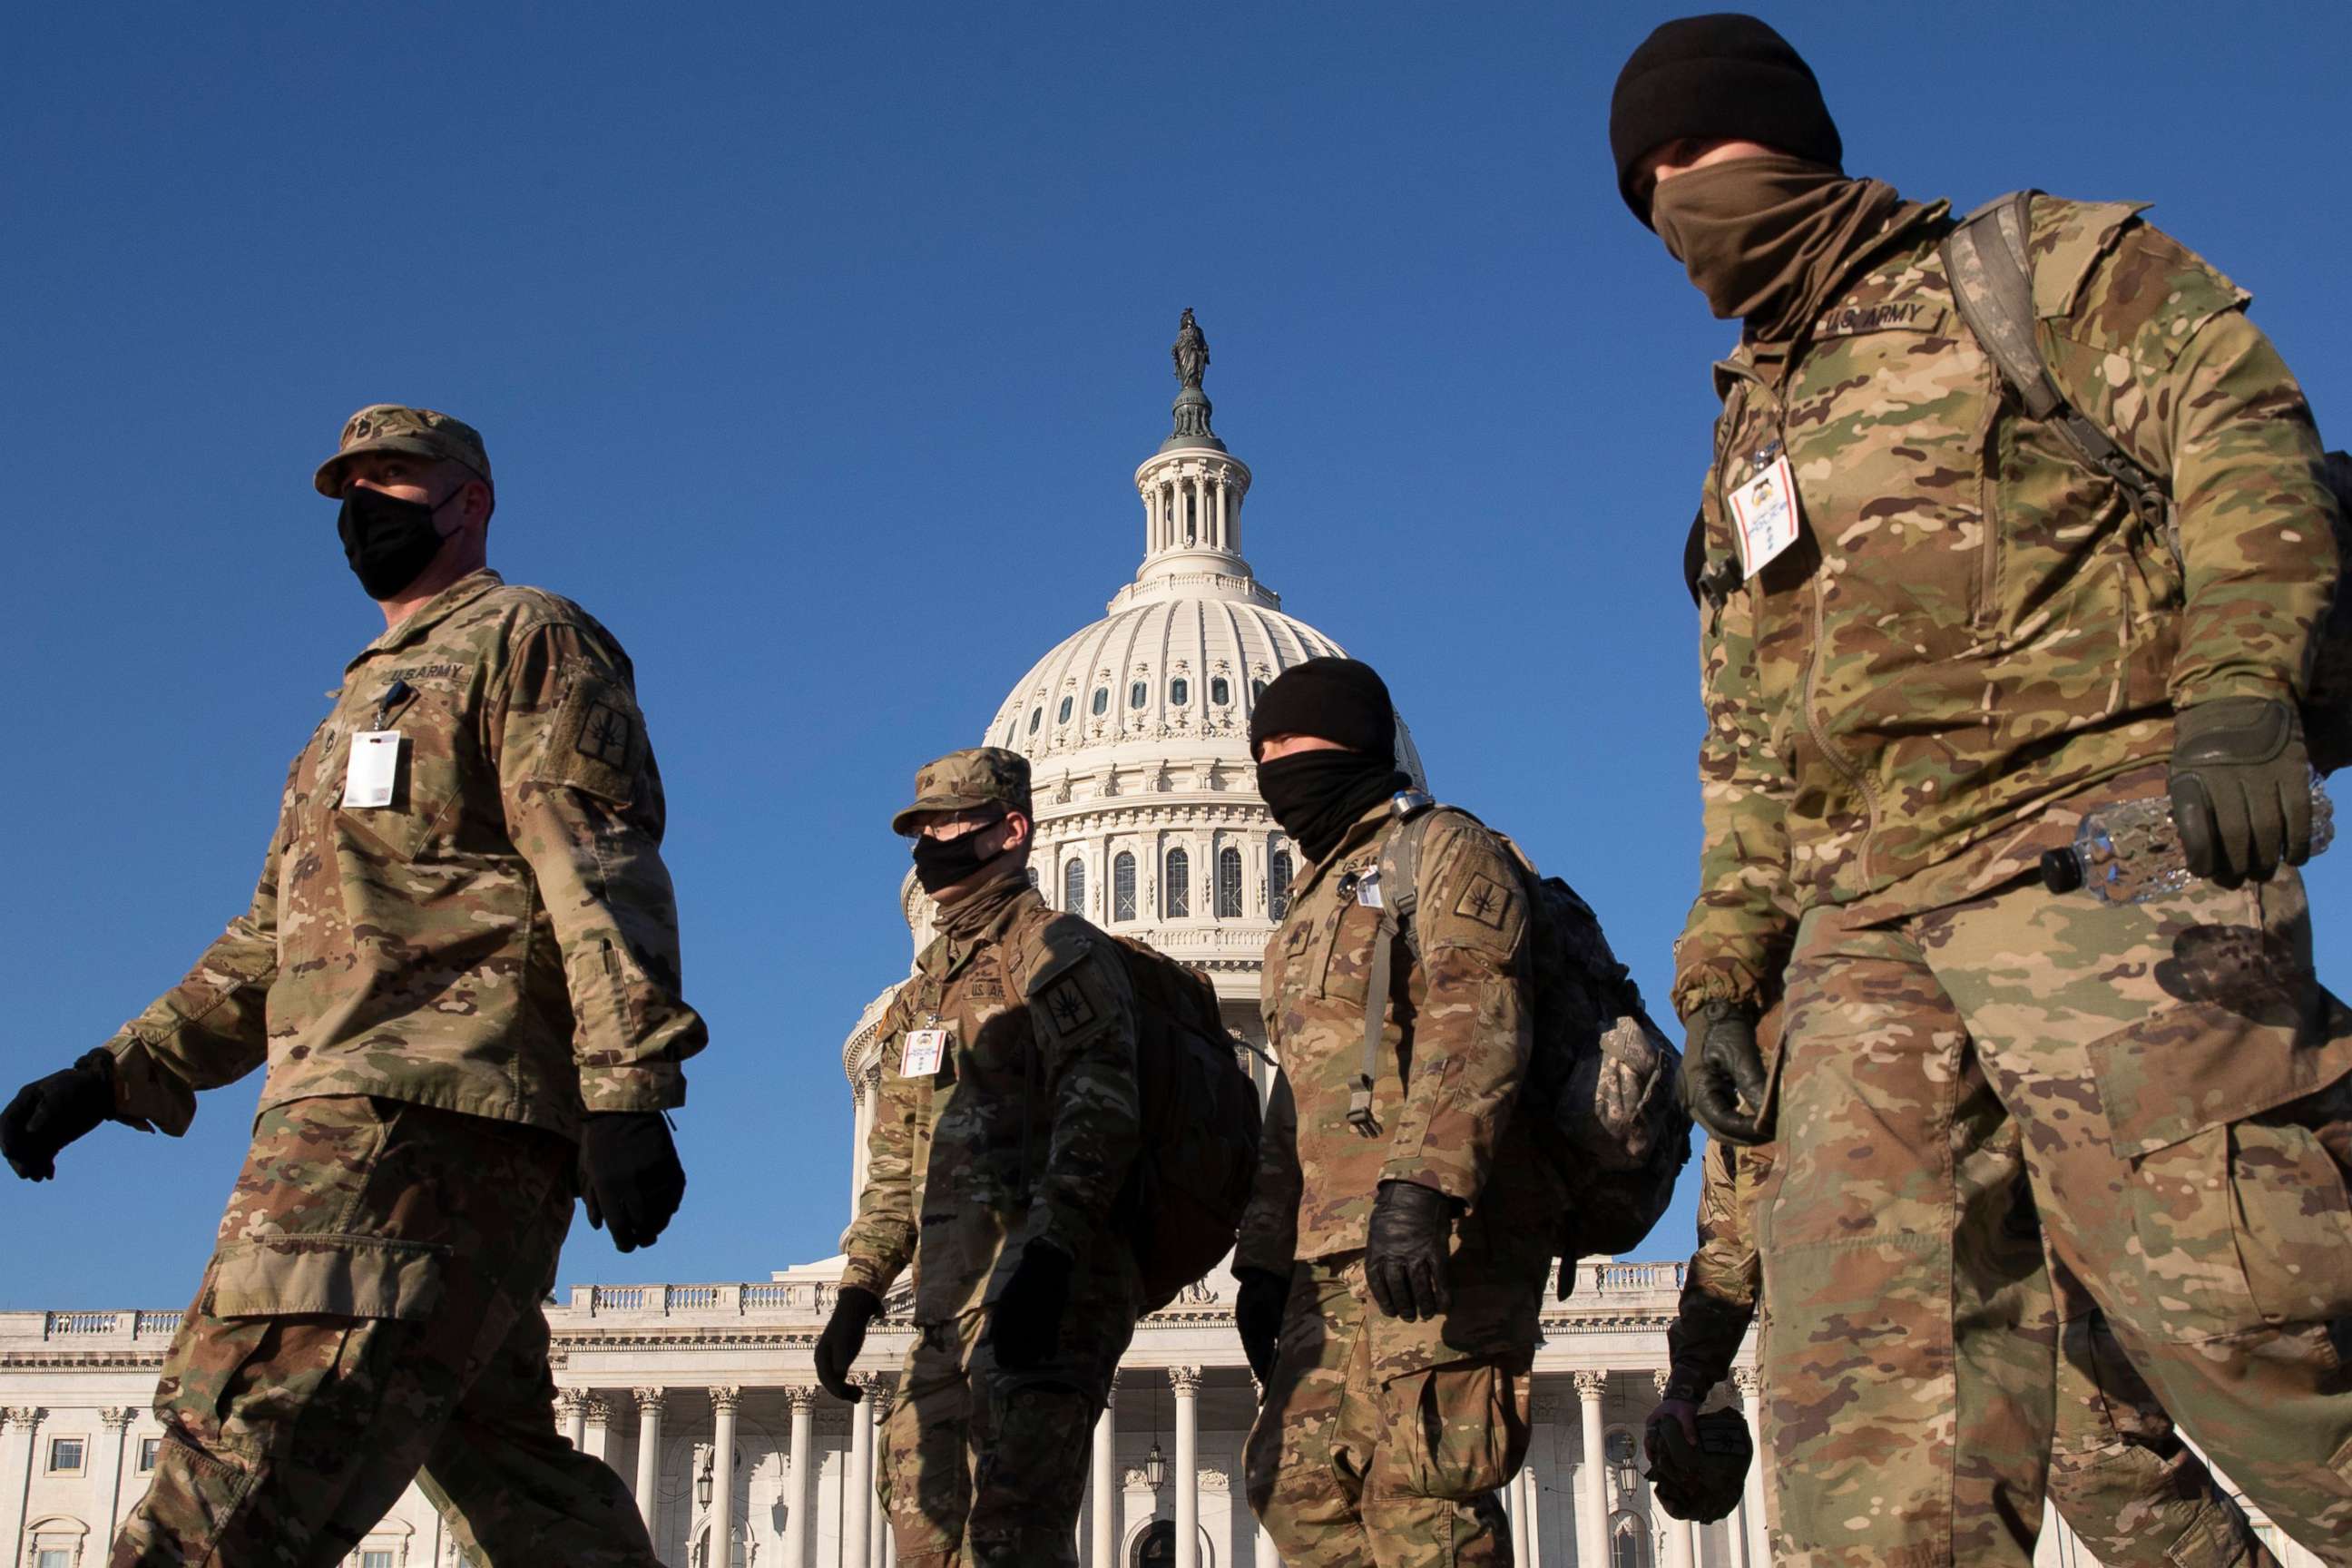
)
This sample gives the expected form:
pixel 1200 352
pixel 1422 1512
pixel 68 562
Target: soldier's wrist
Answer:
pixel 1687 1386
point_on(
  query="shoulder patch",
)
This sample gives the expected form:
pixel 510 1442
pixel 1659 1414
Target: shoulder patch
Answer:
pixel 1486 901
pixel 598 744
pixel 1067 1003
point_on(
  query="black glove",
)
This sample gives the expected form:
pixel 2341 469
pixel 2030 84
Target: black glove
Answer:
pixel 1723 1073
pixel 50 1112
pixel 1258 1317
pixel 1404 1250
pixel 629 1174
pixel 844 1337
pixel 1705 1482
pixel 2241 789
pixel 1026 1326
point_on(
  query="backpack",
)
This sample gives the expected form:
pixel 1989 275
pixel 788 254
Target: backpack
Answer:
pixel 1196 1157
pixel 1602 1083
pixel 1993 283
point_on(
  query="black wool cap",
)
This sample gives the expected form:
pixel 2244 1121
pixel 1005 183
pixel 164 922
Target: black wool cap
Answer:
pixel 1341 699
pixel 1725 75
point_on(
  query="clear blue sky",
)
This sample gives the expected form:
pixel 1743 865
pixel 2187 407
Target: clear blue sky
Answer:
pixel 814 347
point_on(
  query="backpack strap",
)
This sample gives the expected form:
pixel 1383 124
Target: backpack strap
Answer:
pixel 1399 880
pixel 1991 276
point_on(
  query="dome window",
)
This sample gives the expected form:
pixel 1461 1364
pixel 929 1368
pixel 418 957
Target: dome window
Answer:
pixel 1278 883
pixel 1176 894
pixel 1257 690
pixel 1180 693
pixel 1074 887
pixel 1220 691
pixel 1037 717
pixel 1122 887
pixel 1138 694
pixel 1064 716
pixel 1229 884
pixel 1102 701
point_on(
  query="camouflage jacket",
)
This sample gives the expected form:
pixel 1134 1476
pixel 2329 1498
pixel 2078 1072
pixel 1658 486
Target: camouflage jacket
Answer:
pixel 1453 1050
pixel 501 939
pixel 1721 1287
pixel 1028 1126
pixel 1972 623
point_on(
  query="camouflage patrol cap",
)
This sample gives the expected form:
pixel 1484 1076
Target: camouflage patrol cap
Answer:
pixel 984 775
pixel 395 427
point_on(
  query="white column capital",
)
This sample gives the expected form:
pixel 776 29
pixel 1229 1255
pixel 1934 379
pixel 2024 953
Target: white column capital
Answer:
pixel 1662 1377
pixel 1749 1381
pixel 1184 1380
pixel 725 1397
pixel 117 1417
pixel 802 1395
pixel 599 1409
pixel 649 1400
pixel 1591 1386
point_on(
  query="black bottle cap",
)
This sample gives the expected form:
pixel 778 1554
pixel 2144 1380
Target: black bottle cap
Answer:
pixel 2062 870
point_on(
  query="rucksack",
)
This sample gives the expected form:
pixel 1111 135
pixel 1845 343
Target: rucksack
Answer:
pixel 1197 1155
pixel 1993 283
pixel 1601 1077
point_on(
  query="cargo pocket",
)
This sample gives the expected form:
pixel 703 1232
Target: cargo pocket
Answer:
pixel 2241 1213
pixel 327 1275
pixel 1454 1432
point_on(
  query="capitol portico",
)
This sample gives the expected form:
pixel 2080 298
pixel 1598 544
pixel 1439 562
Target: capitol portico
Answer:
pixel 703 1396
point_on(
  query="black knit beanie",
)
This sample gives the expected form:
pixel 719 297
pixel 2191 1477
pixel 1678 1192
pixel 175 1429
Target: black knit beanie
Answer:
pixel 1341 699
pixel 1722 77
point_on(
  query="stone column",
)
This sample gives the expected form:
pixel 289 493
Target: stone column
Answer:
pixel 649 1422
pixel 16 1479
pixel 800 1516
pixel 1515 1509
pixel 1103 1552
pixel 857 1487
pixel 1267 1555
pixel 1751 1384
pixel 1593 1492
pixel 106 1506
pixel 723 1403
pixel 596 1428
pixel 877 1552
pixel 571 1403
pixel 1531 1510
pixel 1186 1382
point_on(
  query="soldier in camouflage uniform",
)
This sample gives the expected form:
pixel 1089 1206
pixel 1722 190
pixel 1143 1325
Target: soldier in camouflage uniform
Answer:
pixel 1006 1123
pixel 1389 1276
pixel 461 972
pixel 1934 638
pixel 2118 1471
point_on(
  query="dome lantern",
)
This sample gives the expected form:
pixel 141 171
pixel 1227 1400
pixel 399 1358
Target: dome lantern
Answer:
pixel 1192 487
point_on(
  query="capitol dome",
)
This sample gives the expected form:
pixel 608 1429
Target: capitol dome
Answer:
pixel 1137 730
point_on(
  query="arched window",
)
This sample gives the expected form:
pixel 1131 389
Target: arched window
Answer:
pixel 1037 717
pixel 1180 693
pixel 1257 690
pixel 1278 883
pixel 1176 891
pixel 1629 1542
pixel 1064 716
pixel 1229 883
pixel 1156 1546
pixel 1220 691
pixel 1138 694
pixel 1101 703
pixel 1122 887
pixel 1074 887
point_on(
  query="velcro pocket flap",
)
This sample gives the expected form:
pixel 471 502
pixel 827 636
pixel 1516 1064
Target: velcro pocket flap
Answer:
pixel 327 1275
pixel 2206 1064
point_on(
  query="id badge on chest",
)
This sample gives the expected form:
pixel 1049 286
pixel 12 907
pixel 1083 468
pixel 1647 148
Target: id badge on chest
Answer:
pixel 1764 515
pixel 373 773
pixel 925 1050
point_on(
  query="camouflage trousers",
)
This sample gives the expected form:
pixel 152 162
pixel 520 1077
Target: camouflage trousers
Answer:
pixel 1385 1443
pixel 2176 1075
pixel 371 1309
pixel 983 1467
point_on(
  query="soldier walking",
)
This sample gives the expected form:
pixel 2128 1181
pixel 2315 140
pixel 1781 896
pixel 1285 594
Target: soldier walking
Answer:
pixel 1935 635
pixel 461 970
pixel 1390 1267
pixel 1006 1126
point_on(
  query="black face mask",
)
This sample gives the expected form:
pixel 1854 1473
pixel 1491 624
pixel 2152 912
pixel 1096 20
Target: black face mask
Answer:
pixel 944 862
pixel 1317 795
pixel 389 542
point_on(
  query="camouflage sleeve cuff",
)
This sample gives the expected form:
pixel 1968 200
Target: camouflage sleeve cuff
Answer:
pixel 1454 1183
pixel 868 1274
pixel 661 1087
pixel 2277 687
pixel 1716 981
pixel 148 1094
pixel 1688 1383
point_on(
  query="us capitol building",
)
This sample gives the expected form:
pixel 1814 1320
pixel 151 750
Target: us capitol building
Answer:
pixel 703 1395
